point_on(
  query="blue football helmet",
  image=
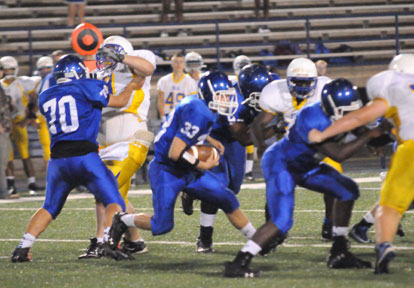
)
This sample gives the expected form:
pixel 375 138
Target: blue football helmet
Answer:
pixel 252 79
pixel 216 90
pixel 340 96
pixel 68 68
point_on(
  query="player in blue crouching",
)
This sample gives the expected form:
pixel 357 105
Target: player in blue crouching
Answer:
pixel 294 161
pixel 233 132
pixel 73 112
pixel 174 169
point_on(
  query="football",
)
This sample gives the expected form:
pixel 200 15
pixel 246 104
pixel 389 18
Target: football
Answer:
pixel 202 152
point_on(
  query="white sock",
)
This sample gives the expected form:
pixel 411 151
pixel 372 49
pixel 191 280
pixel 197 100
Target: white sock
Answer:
pixel 100 239
pixel 249 166
pixel 27 240
pixel 137 240
pixel 248 230
pixel 339 231
pixel 251 247
pixel 31 180
pixel 369 218
pixel 10 177
pixel 128 219
pixel 207 220
pixel 106 233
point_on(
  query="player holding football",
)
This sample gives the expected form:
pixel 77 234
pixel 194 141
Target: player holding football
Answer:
pixel 174 169
pixel 294 161
pixel 73 110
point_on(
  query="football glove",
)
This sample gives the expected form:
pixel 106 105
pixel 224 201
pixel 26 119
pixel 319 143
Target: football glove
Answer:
pixel 106 52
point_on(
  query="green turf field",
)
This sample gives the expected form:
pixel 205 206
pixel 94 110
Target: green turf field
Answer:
pixel 172 260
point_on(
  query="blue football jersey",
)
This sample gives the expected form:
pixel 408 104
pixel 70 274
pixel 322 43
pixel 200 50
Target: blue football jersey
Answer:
pixel 47 82
pixel 244 114
pixel 73 109
pixel 299 152
pixel 191 120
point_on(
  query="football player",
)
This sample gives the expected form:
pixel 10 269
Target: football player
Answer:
pixel 294 161
pixel 73 110
pixel 391 93
pixel 173 87
pixel 232 131
pixel 283 99
pixel 21 90
pixel 174 169
pixel 193 65
pixel 124 138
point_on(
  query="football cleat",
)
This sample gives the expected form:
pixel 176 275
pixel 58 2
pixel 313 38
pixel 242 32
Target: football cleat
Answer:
pixel 117 229
pixel 94 251
pixel 116 253
pixel 204 247
pixel 21 255
pixel 385 253
pixel 33 189
pixel 187 203
pixel 249 176
pixel 326 231
pixel 346 260
pixel 12 193
pixel 400 231
pixel 236 270
pixel 138 247
pixel 359 234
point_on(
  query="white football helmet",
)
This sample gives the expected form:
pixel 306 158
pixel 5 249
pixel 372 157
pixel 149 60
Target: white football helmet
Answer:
pixel 193 62
pixel 403 63
pixel 118 44
pixel 9 62
pixel 239 62
pixel 302 77
pixel 44 65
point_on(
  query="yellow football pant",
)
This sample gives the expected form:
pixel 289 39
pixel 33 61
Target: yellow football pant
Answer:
pixel 125 169
pixel 398 189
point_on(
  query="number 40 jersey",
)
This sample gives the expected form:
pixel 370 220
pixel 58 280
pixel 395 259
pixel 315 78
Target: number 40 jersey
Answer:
pixel 68 110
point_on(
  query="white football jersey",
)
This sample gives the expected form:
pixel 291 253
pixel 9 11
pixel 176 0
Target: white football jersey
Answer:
pixel 120 124
pixel 276 98
pixel 397 89
pixel 175 91
pixel 18 91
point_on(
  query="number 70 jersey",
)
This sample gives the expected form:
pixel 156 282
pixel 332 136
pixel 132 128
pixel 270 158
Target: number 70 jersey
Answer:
pixel 73 109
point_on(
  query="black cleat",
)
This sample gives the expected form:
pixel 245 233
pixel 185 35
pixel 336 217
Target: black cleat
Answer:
pixel 187 203
pixel 138 247
pixel 400 231
pixel 346 260
pixel 204 247
pixel 236 270
pixel 385 253
pixel 21 255
pixel 359 234
pixel 116 253
pixel 117 229
pixel 12 193
pixel 249 176
pixel 94 251
pixel 326 231
pixel 33 188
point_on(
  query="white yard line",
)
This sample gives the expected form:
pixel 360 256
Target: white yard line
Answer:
pixel 148 191
pixel 186 243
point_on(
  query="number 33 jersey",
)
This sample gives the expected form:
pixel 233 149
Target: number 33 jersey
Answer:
pixel 73 110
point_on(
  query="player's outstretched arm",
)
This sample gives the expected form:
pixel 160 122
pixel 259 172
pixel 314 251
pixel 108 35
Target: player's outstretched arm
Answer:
pixel 351 121
pixel 340 152
pixel 140 66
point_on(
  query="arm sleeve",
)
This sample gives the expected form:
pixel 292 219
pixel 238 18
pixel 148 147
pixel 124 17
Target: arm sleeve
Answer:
pixel 28 84
pixel 192 124
pixel 97 92
pixel 160 84
pixel 268 99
